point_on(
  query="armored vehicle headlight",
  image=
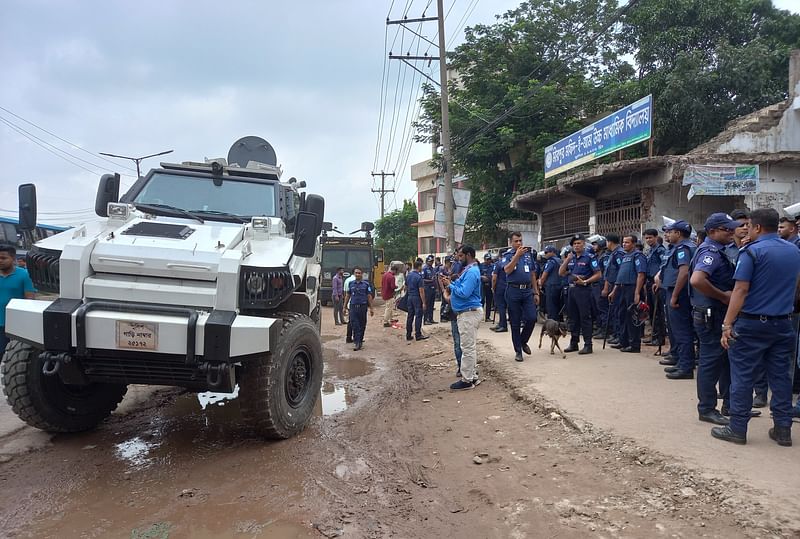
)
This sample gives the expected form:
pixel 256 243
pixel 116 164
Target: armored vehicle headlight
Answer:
pixel 256 284
pixel 261 223
pixel 117 211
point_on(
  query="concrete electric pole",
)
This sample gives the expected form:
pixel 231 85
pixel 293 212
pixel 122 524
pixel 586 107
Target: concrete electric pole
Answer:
pixel 383 189
pixel 449 202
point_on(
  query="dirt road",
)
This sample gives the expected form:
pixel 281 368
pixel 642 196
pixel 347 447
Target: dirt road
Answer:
pixel 391 453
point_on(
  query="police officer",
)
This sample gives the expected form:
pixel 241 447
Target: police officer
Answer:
pixel 611 269
pixel 600 303
pixel 630 283
pixel 581 270
pixel 712 282
pixel 758 329
pixel 415 290
pixel 522 293
pixel 499 285
pixel 675 276
pixel 486 270
pixel 429 280
pixel 358 299
pixel 655 256
pixel 552 283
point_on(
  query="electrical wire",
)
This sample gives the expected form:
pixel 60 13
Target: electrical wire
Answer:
pixel 72 144
pixel 508 111
pixel 46 145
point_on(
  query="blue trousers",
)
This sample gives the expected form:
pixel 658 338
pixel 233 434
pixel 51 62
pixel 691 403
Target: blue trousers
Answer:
pixel 630 334
pixel 713 366
pixel 414 317
pixel 682 330
pixel 456 339
pixel 430 299
pixel 580 314
pixel 552 298
pixel 767 345
pixel 522 311
pixel 613 314
pixel 601 305
pixel 502 306
pixel 358 321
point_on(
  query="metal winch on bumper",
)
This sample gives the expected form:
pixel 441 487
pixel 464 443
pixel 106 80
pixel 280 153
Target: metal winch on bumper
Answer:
pixel 85 341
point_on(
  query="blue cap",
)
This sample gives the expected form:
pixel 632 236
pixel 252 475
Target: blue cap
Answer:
pixel 551 249
pixel 721 220
pixel 678 225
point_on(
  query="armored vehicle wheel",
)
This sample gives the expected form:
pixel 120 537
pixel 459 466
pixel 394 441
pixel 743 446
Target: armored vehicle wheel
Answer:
pixel 45 402
pixel 277 392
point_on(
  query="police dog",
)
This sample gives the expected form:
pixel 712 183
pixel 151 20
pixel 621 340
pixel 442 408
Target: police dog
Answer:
pixel 555 330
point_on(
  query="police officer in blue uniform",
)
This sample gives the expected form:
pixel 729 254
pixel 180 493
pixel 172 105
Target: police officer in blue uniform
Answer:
pixel 758 328
pixel 611 269
pixel 358 298
pixel 552 283
pixel 415 291
pixel 522 293
pixel 486 270
pixel 499 285
pixel 655 255
pixel 711 285
pixel 631 279
pixel 600 302
pixel 581 270
pixel 675 276
pixel 429 279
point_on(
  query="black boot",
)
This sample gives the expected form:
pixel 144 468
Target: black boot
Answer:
pixel 781 435
pixel 587 349
pixel 573 347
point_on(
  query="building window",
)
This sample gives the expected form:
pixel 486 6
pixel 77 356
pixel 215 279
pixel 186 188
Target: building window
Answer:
pixel 559 224
pixel 427 246
pixel 427 200
pixel 619 215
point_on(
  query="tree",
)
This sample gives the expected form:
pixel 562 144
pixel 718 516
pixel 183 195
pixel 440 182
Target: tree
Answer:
pixel 540 63
pixel 551 67
pixel 707 62
pixel 396 235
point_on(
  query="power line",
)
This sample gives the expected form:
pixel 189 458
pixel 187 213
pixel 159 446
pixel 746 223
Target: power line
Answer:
pixel 592 39
pixel 60 138
pixel 32 139
pixel 46 145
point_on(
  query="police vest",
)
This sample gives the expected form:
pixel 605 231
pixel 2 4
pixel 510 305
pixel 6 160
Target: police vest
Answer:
pixel 632 264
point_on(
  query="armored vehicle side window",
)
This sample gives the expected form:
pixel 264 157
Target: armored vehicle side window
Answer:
pixel 195 193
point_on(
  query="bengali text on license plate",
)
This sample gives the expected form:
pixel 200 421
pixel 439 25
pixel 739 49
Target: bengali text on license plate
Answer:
pixel 136 335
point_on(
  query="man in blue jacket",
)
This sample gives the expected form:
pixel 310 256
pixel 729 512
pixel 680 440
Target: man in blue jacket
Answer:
pixel 464 295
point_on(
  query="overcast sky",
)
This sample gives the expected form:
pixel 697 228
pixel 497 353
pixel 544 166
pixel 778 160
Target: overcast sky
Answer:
pixel 194 76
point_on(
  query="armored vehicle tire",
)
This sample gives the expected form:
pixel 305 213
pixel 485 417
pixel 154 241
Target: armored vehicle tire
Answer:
pixel 45 402
pixel 277 392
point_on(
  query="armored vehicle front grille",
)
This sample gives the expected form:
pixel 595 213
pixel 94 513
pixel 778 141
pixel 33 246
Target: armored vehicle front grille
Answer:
pixel 43 267
pixel 277 286
pixel 159 230
pixel 142 368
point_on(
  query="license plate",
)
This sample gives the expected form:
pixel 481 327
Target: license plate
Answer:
pixel 137 336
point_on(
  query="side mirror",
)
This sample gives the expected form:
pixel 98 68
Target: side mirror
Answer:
pixel 107 191
pixel 27 206
pixel 305 235
pixel 315 205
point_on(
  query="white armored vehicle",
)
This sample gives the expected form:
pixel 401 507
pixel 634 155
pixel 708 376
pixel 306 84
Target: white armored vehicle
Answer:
pixel 203 276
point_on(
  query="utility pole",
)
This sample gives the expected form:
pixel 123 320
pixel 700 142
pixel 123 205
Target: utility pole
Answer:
pixel 449 201
pixel 383 189
pixel 137 160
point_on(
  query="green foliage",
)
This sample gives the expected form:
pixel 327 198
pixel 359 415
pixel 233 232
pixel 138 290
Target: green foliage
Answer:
pixel 706 62
pixel 395 234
